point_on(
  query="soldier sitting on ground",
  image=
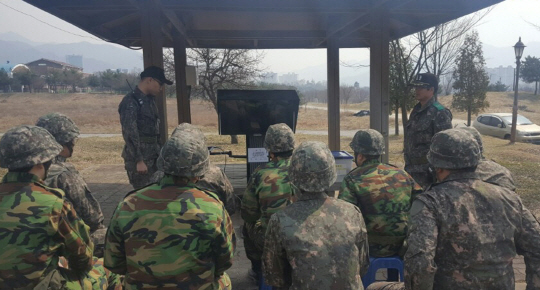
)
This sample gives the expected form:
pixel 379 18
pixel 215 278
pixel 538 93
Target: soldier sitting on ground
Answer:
pixel 489 170
pixel 382 192
pixel 268 191
pixel 37 224
pixel 173 234
pixel 214 179
pixel 465 232
pixel 318 242
pixel 64 176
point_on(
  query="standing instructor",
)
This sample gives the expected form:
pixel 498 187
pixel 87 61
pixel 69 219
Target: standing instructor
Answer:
pixel 140 126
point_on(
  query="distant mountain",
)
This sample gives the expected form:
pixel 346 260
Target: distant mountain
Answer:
pixel 96 57
pixel 504 56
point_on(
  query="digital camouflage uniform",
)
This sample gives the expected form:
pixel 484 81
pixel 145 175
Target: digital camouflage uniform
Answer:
pixel 318 242
pixel 382 192
pixel 489 170
pixel 423 123
pixel 170 235
pixel 268 191
pixel 37 224
pixel 466 232
pixel 140 128
pixel 64 176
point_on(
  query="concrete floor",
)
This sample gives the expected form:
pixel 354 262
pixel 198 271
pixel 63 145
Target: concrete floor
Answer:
pixel 109 184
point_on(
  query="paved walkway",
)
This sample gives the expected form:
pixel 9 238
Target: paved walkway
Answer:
pixel 109 184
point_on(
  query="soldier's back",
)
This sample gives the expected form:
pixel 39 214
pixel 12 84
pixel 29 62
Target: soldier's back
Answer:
pixel 492 172
pixel 172 237
pixel 322 238
pixel 29 213
pixel 477 224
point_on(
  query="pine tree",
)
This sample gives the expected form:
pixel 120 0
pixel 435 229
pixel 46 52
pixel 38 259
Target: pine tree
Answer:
pixel 470 78
pixel 530 71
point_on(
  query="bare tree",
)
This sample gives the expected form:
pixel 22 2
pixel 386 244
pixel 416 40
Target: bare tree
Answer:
pixel 222 69
pixel 345 93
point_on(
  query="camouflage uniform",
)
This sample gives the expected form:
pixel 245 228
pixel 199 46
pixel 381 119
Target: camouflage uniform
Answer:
pixel 383 194
pixel 64 176
pixel 214 179
pixel 268 191
pixel 140 129
pixel 489 170
pixel 37 224
pixel 423 123
pixel 466 232
pixel 173 235
pixel 317 242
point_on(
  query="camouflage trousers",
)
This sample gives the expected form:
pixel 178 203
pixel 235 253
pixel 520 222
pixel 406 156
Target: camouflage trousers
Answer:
pixel 386 286
pixel 140 180
pixel 254 242
pixel 99 278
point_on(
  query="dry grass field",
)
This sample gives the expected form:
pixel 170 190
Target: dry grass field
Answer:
pixel 98 114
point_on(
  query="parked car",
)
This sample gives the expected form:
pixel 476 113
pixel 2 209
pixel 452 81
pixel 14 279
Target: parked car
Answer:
pixel 362 113
pixel 500 125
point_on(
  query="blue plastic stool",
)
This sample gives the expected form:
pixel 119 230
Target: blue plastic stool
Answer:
pixel 262 285
pixel 375 264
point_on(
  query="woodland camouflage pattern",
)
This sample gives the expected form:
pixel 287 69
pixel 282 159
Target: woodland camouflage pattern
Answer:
pixel 368 142
pixel 313 168
pixel 99 278
pixel 317 242
pixel 279 138
pixel 423 123
pixel 384 194
pixel 454 149
pixel 37 226
pixel 169 236
pixel 26 146
pixel 140 129
pixel 60 126
pixel 216 181
pixel 464 234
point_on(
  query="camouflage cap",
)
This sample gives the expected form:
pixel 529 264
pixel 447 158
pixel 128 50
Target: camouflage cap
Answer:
pixel 453 149
pixel 184 155
pixel 368 142
pixel 279 138
pixel 26 146
pixel 312 168
pixel 187 127
pixel 476 136
pixel 60 126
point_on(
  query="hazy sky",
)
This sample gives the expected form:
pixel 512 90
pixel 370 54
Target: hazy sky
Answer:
pixel 501 27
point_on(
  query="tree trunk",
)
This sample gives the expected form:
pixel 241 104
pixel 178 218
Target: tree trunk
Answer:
pixel 396 121
pixel 234 139
pixel 404 118
pixel 536 88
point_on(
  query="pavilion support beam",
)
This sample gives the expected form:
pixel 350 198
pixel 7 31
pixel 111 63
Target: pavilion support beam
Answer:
pixel 182 91
pixel 152 44
pixel 332 60
pixel 379 75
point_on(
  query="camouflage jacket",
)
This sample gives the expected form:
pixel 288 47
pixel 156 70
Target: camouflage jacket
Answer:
pixel 37 226
pixel 64 176
pixel 140 124
pixel 464 234
pixel 492 172
pixel 268 191
pixel 166 236
pixel 423 123
pixel 216 181
pixel 317 242
pixel 383 193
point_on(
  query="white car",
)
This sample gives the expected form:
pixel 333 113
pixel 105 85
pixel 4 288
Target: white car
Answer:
pixel 500 125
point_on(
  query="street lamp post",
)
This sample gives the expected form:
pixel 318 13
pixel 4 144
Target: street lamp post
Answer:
pixel 518 49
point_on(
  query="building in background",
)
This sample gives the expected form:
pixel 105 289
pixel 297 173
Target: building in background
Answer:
pixel 75 59
pixel 289 78
pixel 41 67
pixel 269 77
pixel 503 74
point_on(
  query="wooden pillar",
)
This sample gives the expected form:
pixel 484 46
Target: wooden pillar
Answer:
pixel 379 76
pixel 152 44
pixel 332 60
pixel 182 93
